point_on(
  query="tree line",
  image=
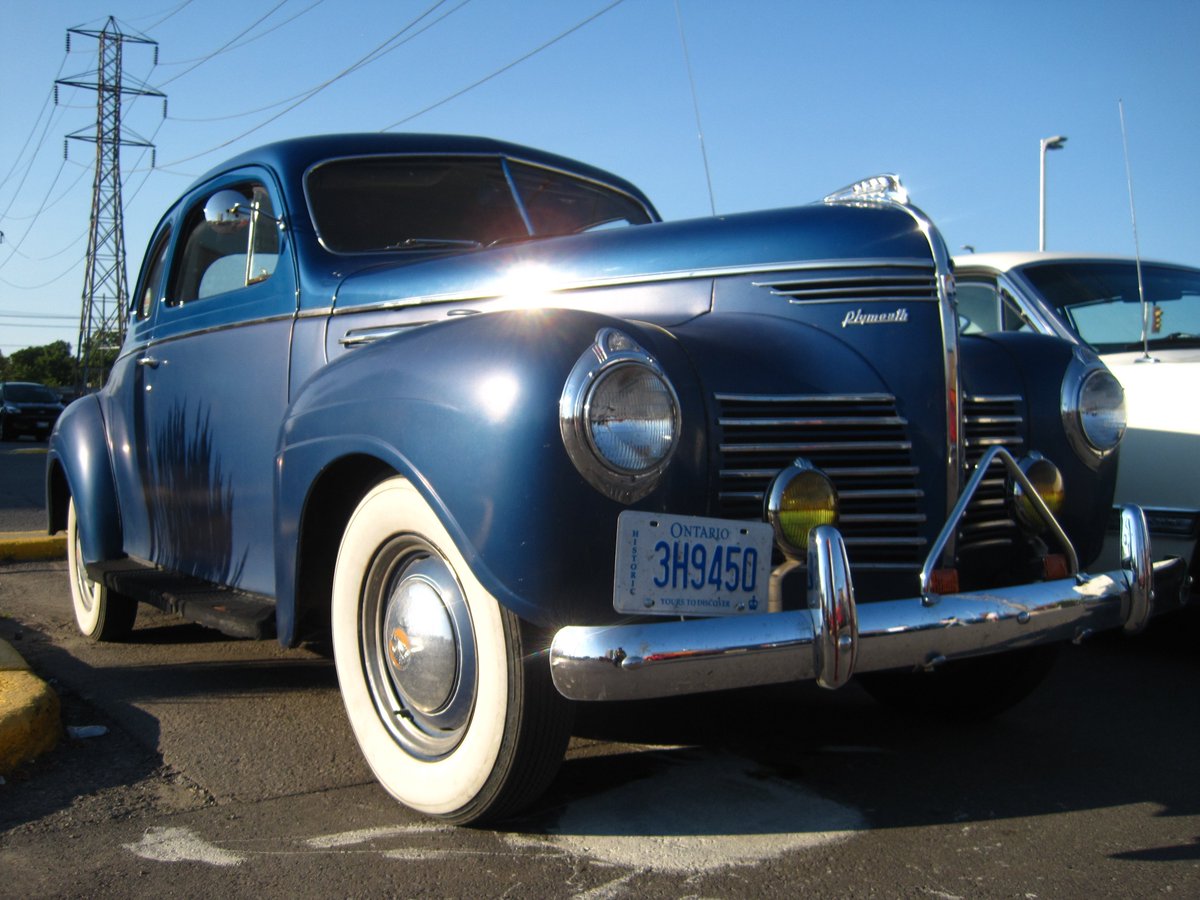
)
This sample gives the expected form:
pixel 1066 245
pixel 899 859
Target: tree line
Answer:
pixel 55 365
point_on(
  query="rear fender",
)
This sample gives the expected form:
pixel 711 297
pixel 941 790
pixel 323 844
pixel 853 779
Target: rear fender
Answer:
pixel 78 467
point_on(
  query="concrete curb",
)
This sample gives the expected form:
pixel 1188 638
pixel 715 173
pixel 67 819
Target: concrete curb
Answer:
pixel 31 546
pixel 30 721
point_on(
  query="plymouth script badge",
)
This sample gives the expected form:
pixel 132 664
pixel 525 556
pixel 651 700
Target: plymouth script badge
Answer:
pixel 858 317
pixel 685 565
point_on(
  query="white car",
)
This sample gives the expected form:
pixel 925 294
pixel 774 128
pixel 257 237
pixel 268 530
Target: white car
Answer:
pixel 1146 328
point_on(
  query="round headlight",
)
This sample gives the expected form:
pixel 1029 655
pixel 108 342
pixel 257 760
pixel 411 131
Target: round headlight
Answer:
pixel 1102 410
pixel 619 417
pixel 801 498
pixel 631 418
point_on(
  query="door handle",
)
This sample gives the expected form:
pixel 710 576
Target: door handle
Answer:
pixel 148 361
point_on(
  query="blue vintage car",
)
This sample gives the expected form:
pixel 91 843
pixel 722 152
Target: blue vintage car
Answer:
pixel 474 414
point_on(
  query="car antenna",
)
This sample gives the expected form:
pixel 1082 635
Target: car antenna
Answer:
pixel 1137 251
pixel 687 61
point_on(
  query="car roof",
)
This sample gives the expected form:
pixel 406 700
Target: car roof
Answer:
pixel 296 155
pixel 1003 261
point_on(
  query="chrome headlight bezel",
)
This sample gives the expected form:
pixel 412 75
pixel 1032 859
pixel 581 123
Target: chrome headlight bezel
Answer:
pixel 613 354
pixel 1090 435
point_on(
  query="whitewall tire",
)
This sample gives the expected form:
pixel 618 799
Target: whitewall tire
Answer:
pixel 450 703
pixel 101 614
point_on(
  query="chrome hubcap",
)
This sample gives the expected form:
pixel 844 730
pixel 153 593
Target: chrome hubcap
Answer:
pixel 418 647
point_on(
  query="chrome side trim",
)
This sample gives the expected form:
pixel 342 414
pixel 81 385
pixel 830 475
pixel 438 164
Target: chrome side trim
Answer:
pixel 665 658
pixel 568 285
pixel 211 329
pixel 357 336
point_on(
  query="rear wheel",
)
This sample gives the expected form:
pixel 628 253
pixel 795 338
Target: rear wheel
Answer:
pixel 966 689
pixel 100 613
pixel 446 692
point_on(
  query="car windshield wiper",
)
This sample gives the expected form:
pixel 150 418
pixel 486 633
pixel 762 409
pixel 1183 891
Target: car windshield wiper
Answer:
pixel 422 243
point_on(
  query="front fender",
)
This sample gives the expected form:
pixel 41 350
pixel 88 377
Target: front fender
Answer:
pixel 467 410
pixel 78 467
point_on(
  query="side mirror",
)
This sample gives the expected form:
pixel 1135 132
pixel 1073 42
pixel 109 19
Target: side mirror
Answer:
pixel 226 208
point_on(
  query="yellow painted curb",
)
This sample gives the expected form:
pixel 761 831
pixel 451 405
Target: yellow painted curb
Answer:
pixel 25 546
pixel 30 722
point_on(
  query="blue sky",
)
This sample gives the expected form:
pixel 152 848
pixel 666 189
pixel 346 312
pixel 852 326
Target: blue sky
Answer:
pixel 795 99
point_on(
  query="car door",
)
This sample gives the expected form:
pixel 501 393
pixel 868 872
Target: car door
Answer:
pixel 123 400
pixel 216 385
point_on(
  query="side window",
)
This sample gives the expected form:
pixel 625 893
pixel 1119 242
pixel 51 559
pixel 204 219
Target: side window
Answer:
pixel 221 256
pixel 978 307
pixel 1013 319
pixel 152 288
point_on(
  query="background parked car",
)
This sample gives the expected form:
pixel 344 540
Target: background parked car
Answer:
pixel 1153 347
pixel 27 408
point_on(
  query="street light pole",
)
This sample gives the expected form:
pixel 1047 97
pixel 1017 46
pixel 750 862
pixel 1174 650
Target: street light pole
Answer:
pixel 1050 143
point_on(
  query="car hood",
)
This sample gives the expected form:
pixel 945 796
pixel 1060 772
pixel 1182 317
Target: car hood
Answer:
pixel 660 251
pixel 1160 395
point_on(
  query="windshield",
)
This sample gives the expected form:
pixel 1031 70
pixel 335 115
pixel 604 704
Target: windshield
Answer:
pixel 404 203
pixel 1100 301
pixel 29 393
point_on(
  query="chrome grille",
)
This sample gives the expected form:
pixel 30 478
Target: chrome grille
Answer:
pixel 988 422
pixel 859 441
pixel 856 287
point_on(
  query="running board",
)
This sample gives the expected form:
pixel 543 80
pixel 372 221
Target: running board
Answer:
pixel 239 614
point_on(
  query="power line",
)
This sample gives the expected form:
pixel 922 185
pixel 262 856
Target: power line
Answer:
pixel 379 51
pixel 178 9
pixel 503 69
pixel 227 44
pixel 231 45
pixel 9 313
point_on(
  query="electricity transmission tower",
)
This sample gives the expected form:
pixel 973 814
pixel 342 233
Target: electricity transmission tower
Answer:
pixel 105 283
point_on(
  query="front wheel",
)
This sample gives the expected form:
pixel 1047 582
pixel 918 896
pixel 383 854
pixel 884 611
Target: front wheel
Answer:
pixel 101 614
pixel 447 694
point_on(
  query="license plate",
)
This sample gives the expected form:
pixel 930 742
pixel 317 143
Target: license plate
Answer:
pixel 686 565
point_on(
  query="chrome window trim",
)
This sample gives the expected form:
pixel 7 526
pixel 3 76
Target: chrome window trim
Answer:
pixel 1032 306
pixel 1029 304
pixel 512 187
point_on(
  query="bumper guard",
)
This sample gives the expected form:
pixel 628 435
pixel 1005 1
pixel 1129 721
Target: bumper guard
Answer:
pixel 835 637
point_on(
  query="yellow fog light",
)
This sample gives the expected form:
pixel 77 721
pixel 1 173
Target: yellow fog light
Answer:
pixel 801 498
pixel 1047 480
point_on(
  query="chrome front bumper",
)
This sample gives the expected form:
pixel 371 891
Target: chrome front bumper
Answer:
pixel 835 637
